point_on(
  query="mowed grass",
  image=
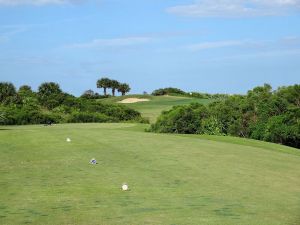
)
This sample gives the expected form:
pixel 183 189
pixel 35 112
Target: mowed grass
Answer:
pixel 153 108
pixel 173 179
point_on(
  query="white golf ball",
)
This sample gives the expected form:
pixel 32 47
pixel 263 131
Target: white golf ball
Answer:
pixel 125 187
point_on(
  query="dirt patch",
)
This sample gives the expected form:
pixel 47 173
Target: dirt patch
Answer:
pixel 134 100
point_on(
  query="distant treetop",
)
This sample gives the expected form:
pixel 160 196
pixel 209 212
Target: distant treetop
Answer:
pixel 169 90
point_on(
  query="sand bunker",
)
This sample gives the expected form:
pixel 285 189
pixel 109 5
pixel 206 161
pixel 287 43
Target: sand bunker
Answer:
pixel 134 100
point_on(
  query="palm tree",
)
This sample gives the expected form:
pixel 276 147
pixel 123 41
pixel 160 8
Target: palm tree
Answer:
pixel 48 89
pixel 114 84
pixel 50 95
pixel 123 88
pixel 7 90
pixel 104 83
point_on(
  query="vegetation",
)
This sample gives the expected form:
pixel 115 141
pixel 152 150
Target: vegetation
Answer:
pixel 178 92
pixel 50 95
pixel 90 94
pixel 208 96
pixel 51 105
pixel 7 93
pixel 173 179
pixel 167 91
pixel 123 88
pixel 106 83
pixel 153 108
pixel 2 117
pixel 114 84
pixel 262 114
pixel 25 90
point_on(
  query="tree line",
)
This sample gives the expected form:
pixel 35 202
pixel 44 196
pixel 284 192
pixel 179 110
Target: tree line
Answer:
pixel 262 114
pixel 50 104
pixel 107 83
pixel 178 92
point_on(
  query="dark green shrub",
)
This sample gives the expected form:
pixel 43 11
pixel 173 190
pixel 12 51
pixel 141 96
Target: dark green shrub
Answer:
pixel 7 93
pixel 166 91
pixel 23 116
pixel 262 114
pixel 181 119
pixel 50 104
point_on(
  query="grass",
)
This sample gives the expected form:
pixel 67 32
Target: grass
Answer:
pixel 173 179
pixel 157 104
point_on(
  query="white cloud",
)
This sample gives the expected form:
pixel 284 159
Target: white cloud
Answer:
pixel 8 31
pixel 31 60
pixel 236 8
pixel 216 44
pixel 36 2
pixel 114 42
pixel 285 46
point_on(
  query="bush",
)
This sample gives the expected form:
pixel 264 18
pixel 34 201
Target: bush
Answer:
pixel 181 119
pixel 50 104
pixel 90 94
pixel 262 114
pixel 166 91
pixel 23 116
pixel 211 126
pixel 207 96
pixel 87 117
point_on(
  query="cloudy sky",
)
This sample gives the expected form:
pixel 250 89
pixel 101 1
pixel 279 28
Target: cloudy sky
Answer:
pixel 225 46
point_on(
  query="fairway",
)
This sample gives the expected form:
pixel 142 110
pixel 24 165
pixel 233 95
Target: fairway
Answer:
pixel 153 108
pixel 173 179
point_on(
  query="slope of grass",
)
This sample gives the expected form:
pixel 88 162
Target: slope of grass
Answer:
pixel 173 179
pixel 157 104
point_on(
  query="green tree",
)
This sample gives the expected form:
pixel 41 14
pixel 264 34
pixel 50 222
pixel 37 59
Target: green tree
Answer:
pixel 114 84
pixel 50 95
pixel 25 89
pixel 291 94
pixel 26 94
pixel 7 92
pixel 104 83
pixel 89 94
pixel 49 88
pixel 169 90
pixel 258 100
pixel 277 130
pixel 124 88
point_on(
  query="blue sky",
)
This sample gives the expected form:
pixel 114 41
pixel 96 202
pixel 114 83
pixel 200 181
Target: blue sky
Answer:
pixel 215 46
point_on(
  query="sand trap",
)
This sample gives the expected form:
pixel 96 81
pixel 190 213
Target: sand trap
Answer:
pixel 134 100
